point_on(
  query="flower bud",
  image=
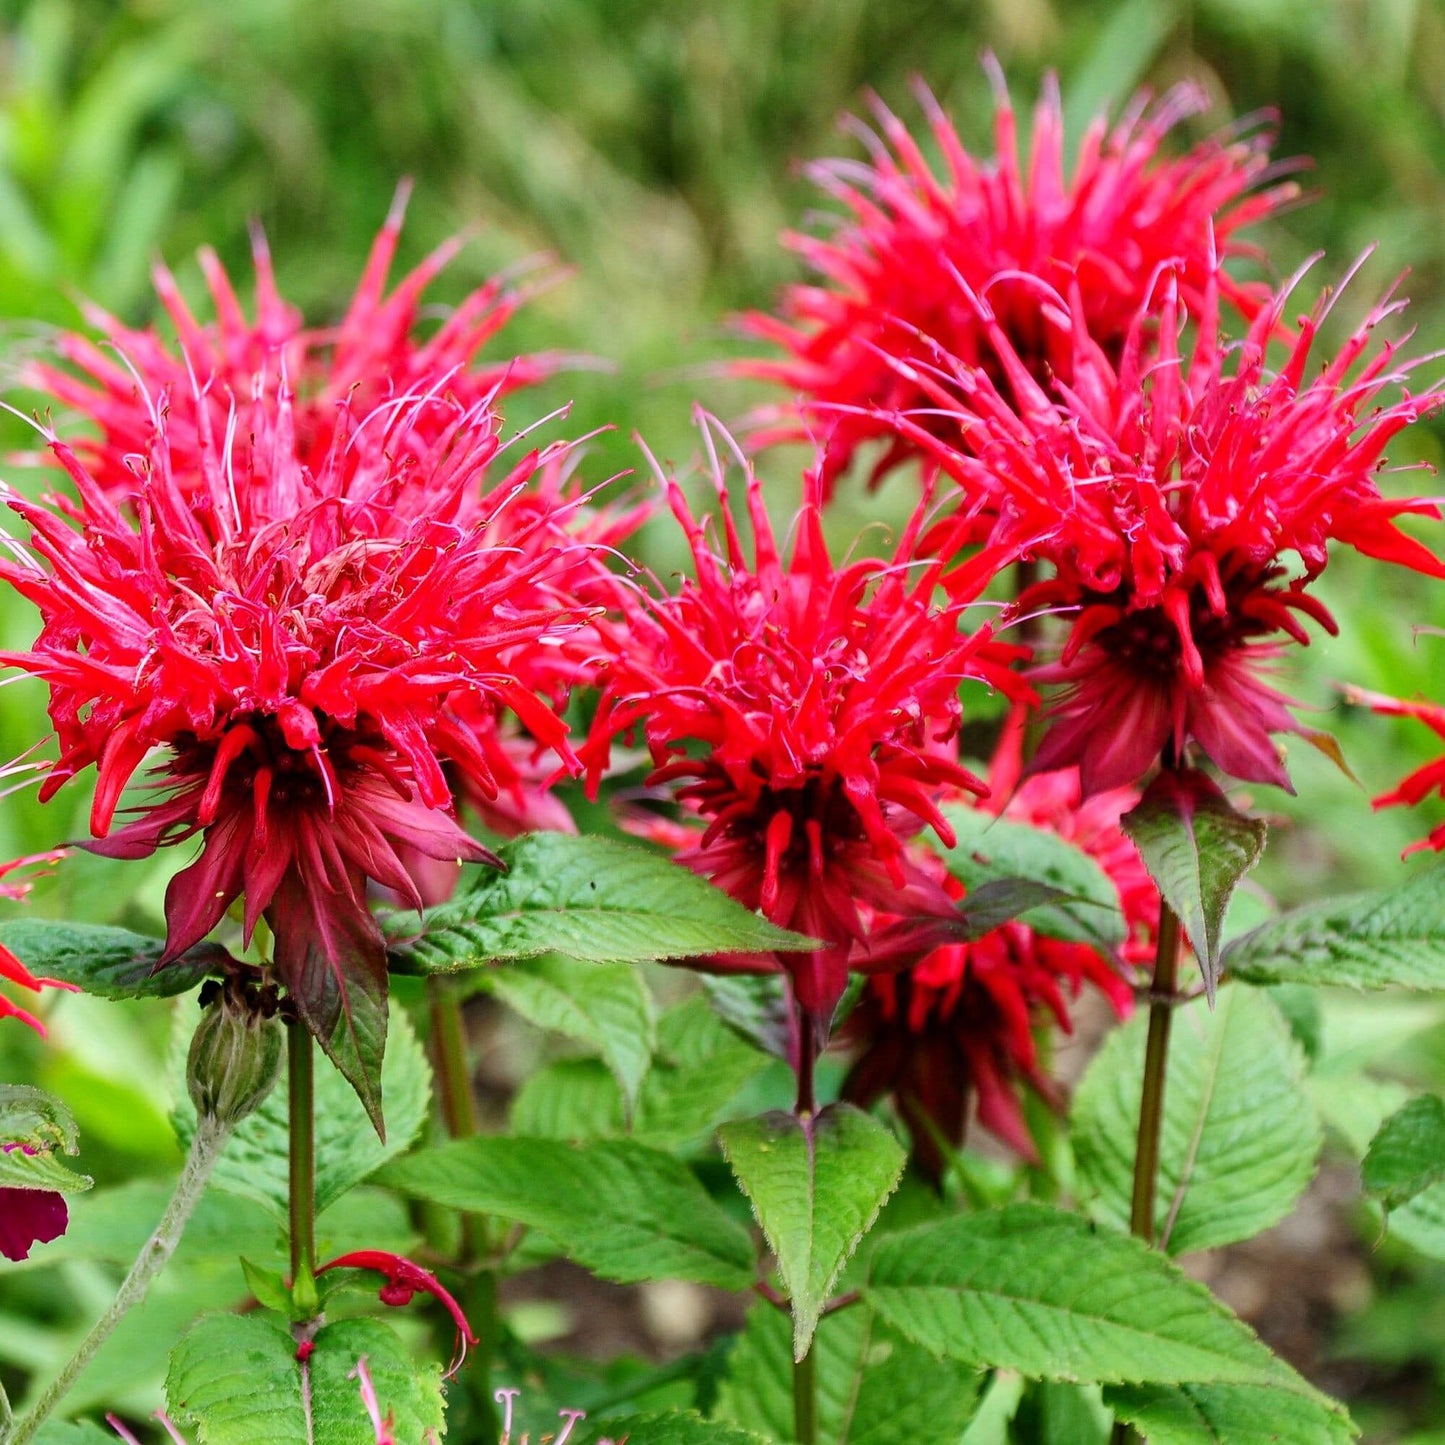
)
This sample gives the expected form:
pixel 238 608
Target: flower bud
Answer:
pixel 234 1060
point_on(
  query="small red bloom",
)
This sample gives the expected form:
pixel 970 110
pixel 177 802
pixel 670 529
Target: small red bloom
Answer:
pixel 1022 233
pixel 11 969
pixel 957 1029
pixel 29 1217
pixel 403 1281
pixel 306 647
pixel 1423 781
pixel 1184 504
pixel 807 712
pixel 373 355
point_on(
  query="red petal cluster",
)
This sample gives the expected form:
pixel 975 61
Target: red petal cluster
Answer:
pixel 11 969
pixel 957 1030
pixel 1020 232
pixel 371 356
pixel 1183 500
pixel 29 1217
pixel 308 646
pixel 1417 786
pixel 807 712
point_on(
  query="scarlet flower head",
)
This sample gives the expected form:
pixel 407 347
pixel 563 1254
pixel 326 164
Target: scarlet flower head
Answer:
pixel 303 648
pixel 1019 231
pixel 371 356
pixel 956 1031
pixel 807 712
pixel 1184 502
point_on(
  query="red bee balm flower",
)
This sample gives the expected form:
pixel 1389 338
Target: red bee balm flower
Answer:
pixel 371 356
pixel 304 646
pixel 1171 496
pixel 959 1026
pixel 807 711
pixel 1021 234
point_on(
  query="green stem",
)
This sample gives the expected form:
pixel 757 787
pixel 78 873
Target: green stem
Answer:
pixel 301 1084
pixel 210 1139
pixel 449 1045
pixel 1164 995
pixel 805 1399
pixel 458 1111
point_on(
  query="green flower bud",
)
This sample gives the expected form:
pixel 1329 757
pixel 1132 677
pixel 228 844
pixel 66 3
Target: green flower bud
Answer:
pixel 235 1059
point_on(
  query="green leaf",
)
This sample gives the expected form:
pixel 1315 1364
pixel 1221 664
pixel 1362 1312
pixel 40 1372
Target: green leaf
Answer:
pixel 874 1386
pixel 35 1119
pixel 255 1160
pixel 700 1069
pixel 626 1212
pixel 33 1127
pixel 1196 848
pixel 1030 1288
pixel 345 1007
pixel 108 962
pixel 1420 1223
pixel 73 1432
pixel 1407 1156
pixel 1229 1415
pixel 586 897
pixel 755 1005
pixel 1240 1137
pixel 235 1380
pixel 268 1286
pixel 605 1006
pixel 1053 1413
pixel 677 1427
pixel 816 1186
pixel 990 848
pixel 1388 938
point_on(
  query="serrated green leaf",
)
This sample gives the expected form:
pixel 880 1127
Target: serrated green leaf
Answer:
pixel 700 1068
pixel 1229 1415
pixel 677 1427
pixel 235 1380
pixel 874 1386
pixel 991 848
pixel 108 962
pixel 1388 938
pixel 34 1126
pixel 1240 1137
pixel 345 1008
pixel 1407 1156
pixel 606 1006
pixel 626 1212
pixel 1033 1289
pixel 816 1186
pixel 255 1161
pixel 1196 848
pixel 587 897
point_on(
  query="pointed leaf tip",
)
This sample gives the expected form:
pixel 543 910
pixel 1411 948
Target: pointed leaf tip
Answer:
pixel 1197 847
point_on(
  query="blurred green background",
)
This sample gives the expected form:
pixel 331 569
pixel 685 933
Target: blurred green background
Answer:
pixel 651 147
